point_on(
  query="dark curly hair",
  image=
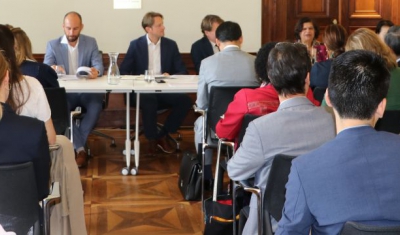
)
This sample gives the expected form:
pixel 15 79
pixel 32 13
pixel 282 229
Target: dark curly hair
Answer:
pixel 260 63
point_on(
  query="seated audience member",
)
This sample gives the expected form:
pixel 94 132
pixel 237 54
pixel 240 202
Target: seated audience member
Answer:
pixel 257 101
pixel 27 64
pixel 27 98
pixel 355 176
pixel 306 32
pixel 22 139
pixel 297 127
pixel 335 40
pixel 155 52
pixel 392 39
pixel 382 27
pixel 206 46
pixel 230 67
pixel 365 39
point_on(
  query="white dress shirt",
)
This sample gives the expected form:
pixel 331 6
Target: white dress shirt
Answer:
pixel 72 56
pixel 154 56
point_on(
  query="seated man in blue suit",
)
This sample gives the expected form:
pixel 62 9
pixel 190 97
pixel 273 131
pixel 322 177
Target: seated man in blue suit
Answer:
pixel 205 46
pixel 74 50
pixel 297 127
pixel 355 176
pixel 155 52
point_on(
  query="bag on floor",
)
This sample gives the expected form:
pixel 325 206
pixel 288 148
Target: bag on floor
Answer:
pixel 219 216
pixel 189 181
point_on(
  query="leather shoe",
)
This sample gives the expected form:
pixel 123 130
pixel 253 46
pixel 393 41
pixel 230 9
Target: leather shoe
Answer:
pixel 81 159
pixel 164 145
pixel 152 147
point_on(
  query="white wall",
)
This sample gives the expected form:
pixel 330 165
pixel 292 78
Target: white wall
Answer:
pixel 114 29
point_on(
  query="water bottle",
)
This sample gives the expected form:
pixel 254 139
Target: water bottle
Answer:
pixel 113 75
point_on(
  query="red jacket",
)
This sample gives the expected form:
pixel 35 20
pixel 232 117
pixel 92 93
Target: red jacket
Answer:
pixel 257 101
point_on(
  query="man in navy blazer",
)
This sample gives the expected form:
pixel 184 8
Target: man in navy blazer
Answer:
pixel 206 46
pixel 155 52
pixel 72 51
pixel 355 176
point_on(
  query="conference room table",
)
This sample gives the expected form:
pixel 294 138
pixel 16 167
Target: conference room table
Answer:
pixel 128 84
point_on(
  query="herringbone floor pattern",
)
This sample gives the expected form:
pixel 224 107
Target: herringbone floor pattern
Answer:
pixel 149 203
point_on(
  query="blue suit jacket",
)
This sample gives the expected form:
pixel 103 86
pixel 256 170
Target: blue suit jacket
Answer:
pixel 354 177
pixel 136 60
pixel 57 53
pixel 320 73
pixel 201 49
pixel 24 139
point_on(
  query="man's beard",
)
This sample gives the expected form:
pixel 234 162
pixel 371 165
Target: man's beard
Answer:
pixel 72 38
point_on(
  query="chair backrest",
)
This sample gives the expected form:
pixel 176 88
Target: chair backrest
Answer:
pixel 57 98
pixel 19 206
pixel 390 122
pixel 319 93
pixel 354 228
pixel 245 123
pixel 219 99
pixel 274 197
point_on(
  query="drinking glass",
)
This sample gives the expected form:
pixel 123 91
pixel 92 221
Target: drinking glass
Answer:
pixel 148 75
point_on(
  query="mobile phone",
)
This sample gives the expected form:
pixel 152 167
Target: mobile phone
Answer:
pixel 160 81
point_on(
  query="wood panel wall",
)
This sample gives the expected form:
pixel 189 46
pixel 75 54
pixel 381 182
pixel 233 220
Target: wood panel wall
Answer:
pixel 279 17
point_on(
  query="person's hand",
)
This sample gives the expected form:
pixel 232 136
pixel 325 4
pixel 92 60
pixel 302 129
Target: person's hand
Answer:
pixel 93 73
pixel 3 232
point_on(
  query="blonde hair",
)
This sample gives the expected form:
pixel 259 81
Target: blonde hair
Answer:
pixel 366 39
pixel 23 45
pixel 3 70
pixel 148 19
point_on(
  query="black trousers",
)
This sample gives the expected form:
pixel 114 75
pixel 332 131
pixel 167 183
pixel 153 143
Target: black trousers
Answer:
pixel 179 104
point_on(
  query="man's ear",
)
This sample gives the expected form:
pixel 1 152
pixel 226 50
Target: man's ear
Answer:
pixel 327 100
pixel 381 109
pixel 218 42
pixel 147 29
pixel 241 40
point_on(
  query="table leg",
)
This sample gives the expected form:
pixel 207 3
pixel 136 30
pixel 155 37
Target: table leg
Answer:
pixel 137 143
pixel 125 171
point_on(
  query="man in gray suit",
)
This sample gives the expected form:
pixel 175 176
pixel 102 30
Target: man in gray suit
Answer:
pixel 230 67
pixel 297 127
pixel 72 51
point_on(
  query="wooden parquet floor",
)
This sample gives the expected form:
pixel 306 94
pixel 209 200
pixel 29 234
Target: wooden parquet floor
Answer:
pixel 148 203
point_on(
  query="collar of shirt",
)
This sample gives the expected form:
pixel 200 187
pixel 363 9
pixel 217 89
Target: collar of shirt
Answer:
pixel 214 47
pixel 398 59
pixel 150 42
pixel 228 46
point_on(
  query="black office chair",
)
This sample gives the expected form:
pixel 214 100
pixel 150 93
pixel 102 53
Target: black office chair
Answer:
pixel 223 167
pixel 19 208
pixel 57 99
pixel 354 228
pixel 390 122
pixel 218 101
pixel 272 201
pixel 319 93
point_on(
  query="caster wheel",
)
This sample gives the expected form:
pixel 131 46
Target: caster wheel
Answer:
pixel 134 171
pixel 132 152
pixel 125 171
